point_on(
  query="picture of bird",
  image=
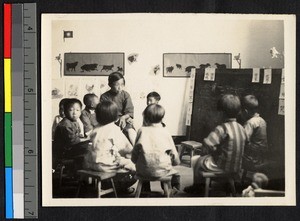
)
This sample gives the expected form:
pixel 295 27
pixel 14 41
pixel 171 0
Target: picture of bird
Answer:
pixel 274 53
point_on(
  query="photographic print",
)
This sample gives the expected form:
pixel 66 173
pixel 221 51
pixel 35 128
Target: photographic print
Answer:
pixel 180 64
pixel 201 118
pixel 93 64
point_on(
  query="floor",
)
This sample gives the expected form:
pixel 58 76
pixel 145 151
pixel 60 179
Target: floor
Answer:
pixel 69 187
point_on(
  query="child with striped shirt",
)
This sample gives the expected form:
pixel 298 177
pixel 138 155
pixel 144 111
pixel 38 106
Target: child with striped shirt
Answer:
pixel 224 146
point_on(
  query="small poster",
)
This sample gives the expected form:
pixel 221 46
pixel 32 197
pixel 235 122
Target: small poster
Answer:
pixel 209 74
pixel 72 89
pixel 255 75
pixel 281 93
pixel 188 120
pixel 58 89
pixel 281 107
pixel 190 108
pixel 267 76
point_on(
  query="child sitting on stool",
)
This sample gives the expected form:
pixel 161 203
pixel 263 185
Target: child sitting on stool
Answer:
pixel 154 152
pixel 225 145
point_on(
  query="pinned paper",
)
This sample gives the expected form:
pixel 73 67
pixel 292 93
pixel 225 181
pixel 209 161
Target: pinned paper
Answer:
pixel 268 76
pixel 281 93
pixel 255 75
pixel 191 96
pixel 190 108
pixel 188 120
pixel 282 76
pixel 209 74
pixel 281 107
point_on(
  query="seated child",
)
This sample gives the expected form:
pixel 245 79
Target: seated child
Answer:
pixel 110 150
pixel 256 130
pixel 58 118
pixel 122 98
pixel 154 152
pixel 68 141
pixel 259 181
pixel 224 145
pixel 153 98
pixel 88 116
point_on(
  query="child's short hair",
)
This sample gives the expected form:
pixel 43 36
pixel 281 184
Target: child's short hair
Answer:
pixel 87 98
pixel 250 103
pixel 154 113
pixel 70 102
pixel 230 105
pixel 106 112
pixel 62 102
pixel 155 95
pixel 261 180
pixel 115 76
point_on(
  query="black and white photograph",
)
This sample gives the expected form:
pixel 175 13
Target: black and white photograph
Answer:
pixel 203 112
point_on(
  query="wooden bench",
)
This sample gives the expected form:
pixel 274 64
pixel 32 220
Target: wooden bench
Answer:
pixel 190 147
pixel 97 177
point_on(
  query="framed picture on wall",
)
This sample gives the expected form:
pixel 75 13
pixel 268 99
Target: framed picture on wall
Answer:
pixel 180 64
pixel 93 64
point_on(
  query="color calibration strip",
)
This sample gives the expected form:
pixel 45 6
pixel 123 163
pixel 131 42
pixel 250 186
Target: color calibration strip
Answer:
pixel 8 111
pixel 20 105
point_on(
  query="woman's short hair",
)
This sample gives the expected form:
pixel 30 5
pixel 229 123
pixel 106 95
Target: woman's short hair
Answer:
pixel 154 113
pixel 106 112
pixel 230 104
pixel 115 76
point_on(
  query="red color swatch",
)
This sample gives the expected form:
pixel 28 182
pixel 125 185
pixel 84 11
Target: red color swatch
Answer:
pixel 7 30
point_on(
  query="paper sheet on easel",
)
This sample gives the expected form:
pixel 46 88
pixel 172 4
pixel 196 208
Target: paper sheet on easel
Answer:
pixel 282 76
pixel 281 93
pixel 209 74
pixel 267 76
pixel 188 120
pixel 255 75
pixel 281 107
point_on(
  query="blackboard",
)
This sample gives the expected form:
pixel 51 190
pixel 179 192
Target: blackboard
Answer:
pixel 205 116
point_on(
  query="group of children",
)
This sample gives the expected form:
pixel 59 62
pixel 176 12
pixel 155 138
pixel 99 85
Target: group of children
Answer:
pixel 102 137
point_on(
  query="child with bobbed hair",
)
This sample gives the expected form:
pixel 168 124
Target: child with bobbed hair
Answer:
pixel 58 118
pixel 110 150
pixel 116 82
pixel 68 139
pixel 223 147
pixel 154 152
pixel 88 116
pixel 153 98
pixel 256 130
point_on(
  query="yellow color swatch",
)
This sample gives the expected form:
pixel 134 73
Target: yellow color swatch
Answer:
pixel 7 85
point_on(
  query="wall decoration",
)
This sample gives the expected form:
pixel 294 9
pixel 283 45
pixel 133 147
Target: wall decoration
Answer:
pixel 93 64
pixel 68 34
pixel 57 91
pixel 181 64
pixel 58 58
pixel 155 70
pixel 72 89
pixel 132 58
pixel 238 60
pixel 90 86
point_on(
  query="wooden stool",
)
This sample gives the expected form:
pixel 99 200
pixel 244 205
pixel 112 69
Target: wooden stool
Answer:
pixel 166 184
pixel 96 177
pixel 209 175
pixel 189 146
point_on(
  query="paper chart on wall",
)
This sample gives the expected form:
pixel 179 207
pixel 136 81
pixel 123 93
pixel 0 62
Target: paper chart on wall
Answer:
pixel 58 89
pixel 72 88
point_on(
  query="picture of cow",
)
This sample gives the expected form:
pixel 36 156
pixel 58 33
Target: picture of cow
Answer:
pixel 179 66
pixel 107 67
pixel 189 68
pixel 207 65
pixel 170 69
pixel 89 67
pixel 71 66
pixel 220 66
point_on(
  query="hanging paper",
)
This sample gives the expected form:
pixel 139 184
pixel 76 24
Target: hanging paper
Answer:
pixel 267 76
pixel 282 76
pixel 281 94
pixel 209 74
pixel 190 108
pixel 255 75
pixel 188 120
pixel 281 107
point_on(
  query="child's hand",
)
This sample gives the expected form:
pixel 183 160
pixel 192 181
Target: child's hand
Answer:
pixel 122 123
pixel 130 120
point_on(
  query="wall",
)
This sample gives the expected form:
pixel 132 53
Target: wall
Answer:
pixel 150 36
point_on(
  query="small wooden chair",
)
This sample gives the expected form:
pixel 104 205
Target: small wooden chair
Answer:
pixel 96 177
pixel 166 184
pixel 208 176
pixel 190 147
